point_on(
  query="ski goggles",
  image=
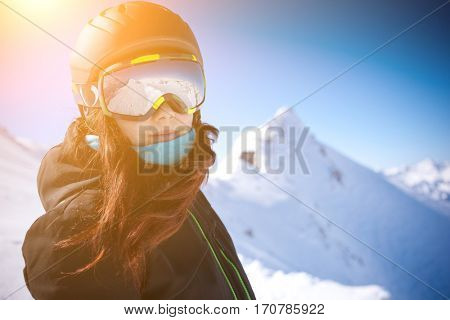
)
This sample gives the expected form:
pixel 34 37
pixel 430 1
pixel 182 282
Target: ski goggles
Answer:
pixel 135 89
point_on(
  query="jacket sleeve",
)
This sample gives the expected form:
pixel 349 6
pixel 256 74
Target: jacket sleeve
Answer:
pixel 43 264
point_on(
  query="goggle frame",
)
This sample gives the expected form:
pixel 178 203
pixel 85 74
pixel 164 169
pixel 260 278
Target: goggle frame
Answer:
pixel 97 86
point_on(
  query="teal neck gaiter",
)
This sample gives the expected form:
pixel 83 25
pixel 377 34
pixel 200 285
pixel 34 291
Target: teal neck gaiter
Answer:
pixel 162 153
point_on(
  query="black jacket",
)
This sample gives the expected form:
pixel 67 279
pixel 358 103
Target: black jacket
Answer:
pixel 198 262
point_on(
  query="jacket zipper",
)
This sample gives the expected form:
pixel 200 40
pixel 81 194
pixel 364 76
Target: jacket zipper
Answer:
pixel 214 254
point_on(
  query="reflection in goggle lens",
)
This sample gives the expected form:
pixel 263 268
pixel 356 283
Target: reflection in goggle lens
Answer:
pixel 134 90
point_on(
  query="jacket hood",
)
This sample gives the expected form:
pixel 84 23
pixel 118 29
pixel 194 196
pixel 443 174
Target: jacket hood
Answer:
pixel 59 179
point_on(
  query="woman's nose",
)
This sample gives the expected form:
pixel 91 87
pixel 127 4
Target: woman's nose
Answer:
pixel 164 113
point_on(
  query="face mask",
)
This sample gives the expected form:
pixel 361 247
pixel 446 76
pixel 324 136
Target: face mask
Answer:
pixel 162 153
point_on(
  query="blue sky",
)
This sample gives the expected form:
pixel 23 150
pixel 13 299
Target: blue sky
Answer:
pixel 392 109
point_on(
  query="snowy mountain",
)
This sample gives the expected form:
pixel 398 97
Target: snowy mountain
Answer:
pixel 20 206
pixel 427 180
pixel 336 219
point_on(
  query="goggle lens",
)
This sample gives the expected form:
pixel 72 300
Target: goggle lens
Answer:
pixel 135 90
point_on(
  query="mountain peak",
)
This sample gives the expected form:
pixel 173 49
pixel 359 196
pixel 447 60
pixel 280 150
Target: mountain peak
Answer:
pixel 284 118
pixel 426 164
pixel 283 110
pixel 279 138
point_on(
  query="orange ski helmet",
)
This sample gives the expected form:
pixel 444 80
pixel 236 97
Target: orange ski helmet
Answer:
pixel 127 31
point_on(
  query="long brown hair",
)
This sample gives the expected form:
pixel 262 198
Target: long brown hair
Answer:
pixel 135 212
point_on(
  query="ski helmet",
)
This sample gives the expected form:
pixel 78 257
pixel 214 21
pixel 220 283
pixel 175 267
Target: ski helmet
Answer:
pixel 128 30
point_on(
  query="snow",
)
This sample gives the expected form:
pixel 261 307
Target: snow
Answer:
pixel 19 207
pixel 278 285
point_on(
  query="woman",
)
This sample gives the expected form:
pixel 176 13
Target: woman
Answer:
pixel 125 218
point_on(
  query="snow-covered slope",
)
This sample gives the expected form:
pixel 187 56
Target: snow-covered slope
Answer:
pixel 276 284
pixel 341 222
pixel 20 206
pixel 427 180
